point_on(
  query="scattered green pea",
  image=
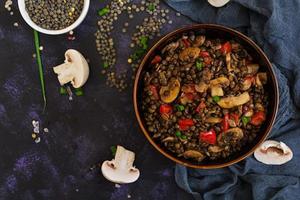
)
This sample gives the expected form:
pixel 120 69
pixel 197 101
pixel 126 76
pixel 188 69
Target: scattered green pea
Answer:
pixel 183 137
pixel 105 65
pixel 151 7
pixel 144 42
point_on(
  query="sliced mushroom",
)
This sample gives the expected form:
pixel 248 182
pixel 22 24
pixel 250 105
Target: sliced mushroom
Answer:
pixel 261 79
pixel 249 113
pixel 259 107
pixel 168 139
pixel 194 155
pixel 247 83
pixel 218 3
pixel 170 92
pixel 201 87
pixel 272 152
pixel 215 149
pixel 252 69
pixel 228 62
pixel 213 120
pixel 223 81
pixel 75 69
pixel 216 91
pixel 231 136
pixel 190 52
pixel 170 47
pixel 199 40
pixel 230 102
pixel 120 169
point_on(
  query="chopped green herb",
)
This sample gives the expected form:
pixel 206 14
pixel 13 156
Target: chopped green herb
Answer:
pixel 178 133
pixel 216 99
pixel 105 65
pixel 113 150
pixel 144 42
pixel 103 11
pixel 183 137
pixel 199 65
pixel 78 91
pixel 245 120
pixel 179 107
pixel 151 7
pixel 137 54
pixel 62 90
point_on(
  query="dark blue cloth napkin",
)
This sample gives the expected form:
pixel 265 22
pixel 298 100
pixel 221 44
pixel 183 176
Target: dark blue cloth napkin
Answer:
pixel 274 25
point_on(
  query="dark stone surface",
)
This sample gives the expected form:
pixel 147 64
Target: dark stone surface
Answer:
pixel 81 132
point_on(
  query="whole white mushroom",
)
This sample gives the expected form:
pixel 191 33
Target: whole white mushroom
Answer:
pixel 218 3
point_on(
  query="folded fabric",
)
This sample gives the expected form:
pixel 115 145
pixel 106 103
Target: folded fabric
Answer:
pixel 273 25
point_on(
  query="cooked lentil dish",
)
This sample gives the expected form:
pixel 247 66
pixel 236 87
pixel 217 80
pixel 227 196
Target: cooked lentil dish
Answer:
pixel 203 98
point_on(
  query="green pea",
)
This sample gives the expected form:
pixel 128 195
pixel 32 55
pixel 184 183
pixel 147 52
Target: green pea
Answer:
pixel 78 91
pixel 103 11
pixel 199 65
pixel 183 137
pixel 62 90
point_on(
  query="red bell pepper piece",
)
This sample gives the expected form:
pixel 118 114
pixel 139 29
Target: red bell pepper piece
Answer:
pixel 186 42
pixel 185 124
pixel 258 118
pixel 156 60
pixel 207 60
pixel 204 54
pixel 165 109
pixel 153 89
pixel 200 106
pixel 226 48
pixel 235 117
pixel 225 122
pixel 208 137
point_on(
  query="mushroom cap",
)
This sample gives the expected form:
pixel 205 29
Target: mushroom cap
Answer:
pixel 81 65
pixel 272 152
pixel 218 3
pixel 120 176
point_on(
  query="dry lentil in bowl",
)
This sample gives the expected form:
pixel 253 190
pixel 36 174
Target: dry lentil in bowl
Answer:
pixel 54 14
pixel 204 98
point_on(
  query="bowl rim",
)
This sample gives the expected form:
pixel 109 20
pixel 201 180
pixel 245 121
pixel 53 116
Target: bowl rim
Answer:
pixel 221 28
pixel 25 16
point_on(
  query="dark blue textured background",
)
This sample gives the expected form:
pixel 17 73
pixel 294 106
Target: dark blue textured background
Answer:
pixel 81 132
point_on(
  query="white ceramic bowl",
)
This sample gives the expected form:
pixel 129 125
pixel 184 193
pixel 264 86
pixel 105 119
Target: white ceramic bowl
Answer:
pixel 21 4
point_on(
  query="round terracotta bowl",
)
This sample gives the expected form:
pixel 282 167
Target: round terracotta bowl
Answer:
pixel 211 31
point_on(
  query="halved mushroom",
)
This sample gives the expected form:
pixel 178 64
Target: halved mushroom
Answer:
pixel 170 47
pixel 223 81
pixel 168 139
pixel 231 136
pixel 74 70
pixel 228 62
pixel 215 149
pixel 252 68
pixel 170 92
pixel 213 120
pixel 190 52
pixel 218 3
pixel 247 83
pixel 230 102
pixel 199 40
pixel 201 87
pixel 216 91
pixel 120 169
pixel 194 155
pixel 272 152
pixel 261 79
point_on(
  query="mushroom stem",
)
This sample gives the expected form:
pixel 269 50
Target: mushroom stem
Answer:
pixel 65 73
